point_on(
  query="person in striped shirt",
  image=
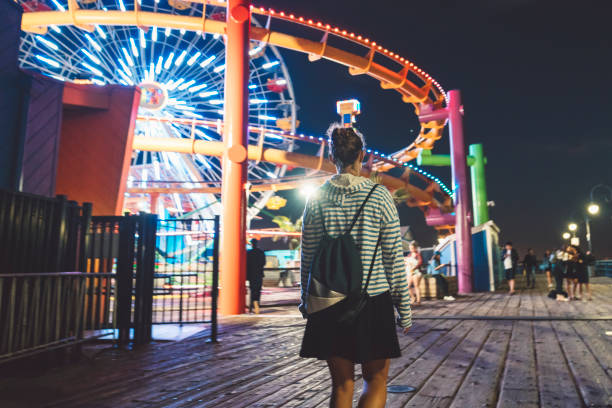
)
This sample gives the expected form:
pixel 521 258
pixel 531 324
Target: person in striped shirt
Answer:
pixel 372 340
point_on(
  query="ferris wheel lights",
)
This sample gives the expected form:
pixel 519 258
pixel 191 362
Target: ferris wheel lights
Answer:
pixel 158 66
pixel 197 88
pixel 134 48
pixel 255 51
pixel 208 93
pixel 48 61
pixel 169 61
pixel 193 59
pixel 129 59
pixel 257 100
pixel 121 5
pixel 186 85
pixel 168 31
pixel 92 57
pixel 92 69
pixel 281 82
pixel 216 102
pixel 48 43
pixel 267 117
pixel 98 82
pixel 270 64
pixel 143 41
pixel 58 5
pixel 208 61
pixel 252 86
pixel 93 43
pixel 219 68
pixel 182 31
pixel 180 59
pixel 55 28
pixel 100 32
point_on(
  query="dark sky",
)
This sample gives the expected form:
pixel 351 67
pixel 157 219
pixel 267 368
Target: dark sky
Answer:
pixel 536 81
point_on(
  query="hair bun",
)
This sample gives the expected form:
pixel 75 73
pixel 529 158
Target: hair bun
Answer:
pixel 345 143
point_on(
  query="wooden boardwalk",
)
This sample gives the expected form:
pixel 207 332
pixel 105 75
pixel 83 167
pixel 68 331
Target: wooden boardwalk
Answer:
pixel 483 350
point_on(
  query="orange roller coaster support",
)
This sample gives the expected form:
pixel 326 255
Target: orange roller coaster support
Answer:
pixel 233 197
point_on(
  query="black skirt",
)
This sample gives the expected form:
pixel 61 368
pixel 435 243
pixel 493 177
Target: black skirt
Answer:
pixel 372 336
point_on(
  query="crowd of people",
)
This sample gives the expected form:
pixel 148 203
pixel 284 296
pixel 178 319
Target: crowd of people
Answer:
pixel 568 266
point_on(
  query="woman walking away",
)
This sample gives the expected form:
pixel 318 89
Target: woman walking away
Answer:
pixel 582 275
pixel 530 263
pixel 413 261
pixel 546 266
pixel 350 213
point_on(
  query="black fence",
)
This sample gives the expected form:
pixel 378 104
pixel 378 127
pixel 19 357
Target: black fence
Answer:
pixel 132 272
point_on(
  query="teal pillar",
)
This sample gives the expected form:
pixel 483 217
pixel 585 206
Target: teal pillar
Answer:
pixel 479 186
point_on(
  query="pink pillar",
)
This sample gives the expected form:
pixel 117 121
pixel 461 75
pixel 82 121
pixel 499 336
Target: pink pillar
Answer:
pixel 462 192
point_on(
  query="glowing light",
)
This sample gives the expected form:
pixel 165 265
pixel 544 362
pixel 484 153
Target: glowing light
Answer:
pixel 266 117
pixel 174 84
pixel 216 101
pixel 183 31
pixel 169 60
pixel 271 64
pixel 216 36
pixel 101 32
pixel 121 5
pixel 193 59
pixel 58 5
pixel 208 93
pixel 92 69
pixel 59 78
pixel 154 34
pixel 180 58
pixel 208 61
pixel 48 43
pixel 255 51
pixel 92 57
pixel 252 86
pixel 152 71
pixel 48 61
pixel 93 43
pixel 56 28
pixel 186 85
pixel 124 65
pixel 197 88
pixel 593 209
pixel 129 59
pixel 572 227
pixel 281 82
pixel 566 235
pixel 219 68
pixel 143 41
pixel 98 81
pixel 158 67
pixel 168 31
pixel 257 100
pixel 134 48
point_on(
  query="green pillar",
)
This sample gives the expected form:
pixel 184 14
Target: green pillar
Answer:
pixel 479 187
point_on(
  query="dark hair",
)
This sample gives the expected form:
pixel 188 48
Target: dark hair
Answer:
pixel 254 242
pixel 345 143
pixel 509 243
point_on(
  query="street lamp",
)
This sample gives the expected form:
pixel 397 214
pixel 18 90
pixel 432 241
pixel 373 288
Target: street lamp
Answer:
pixel 593 209
pixel 573 227
pixel 566 235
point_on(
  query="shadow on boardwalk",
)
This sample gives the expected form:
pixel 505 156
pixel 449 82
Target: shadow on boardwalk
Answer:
pixel 541 353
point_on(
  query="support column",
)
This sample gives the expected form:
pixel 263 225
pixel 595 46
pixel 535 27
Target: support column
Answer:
pixel 460 187
pixel 234 163
pixel 479 187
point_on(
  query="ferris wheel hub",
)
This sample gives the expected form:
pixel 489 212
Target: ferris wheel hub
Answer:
pixel 153 96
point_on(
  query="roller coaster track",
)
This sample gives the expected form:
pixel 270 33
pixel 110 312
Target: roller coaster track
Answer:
pixel 361 55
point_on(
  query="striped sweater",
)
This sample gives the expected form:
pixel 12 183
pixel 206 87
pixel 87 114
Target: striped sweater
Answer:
pixel 339 200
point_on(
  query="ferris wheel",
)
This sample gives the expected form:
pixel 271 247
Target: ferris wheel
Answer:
pixel 181 76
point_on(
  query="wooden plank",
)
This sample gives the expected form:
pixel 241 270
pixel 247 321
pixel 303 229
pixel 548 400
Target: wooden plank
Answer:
pixel 519 387
pixel 479 388
pixel 594 384
pixel 555 383
pixel 441 386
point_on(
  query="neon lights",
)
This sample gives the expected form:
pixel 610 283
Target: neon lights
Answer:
pixel 124 65
pixel 186 85
pixel 93 43
pixel 168 31
pixel 158 67
pixel 208 61
pixel 58 5
pixel 121 5
pixel 252 86
pixel 255 50
pixel 208 93
pixel 219 68
pixel 134 48
pixel 98 81
pixel 193 59
pixel 92 69
pixel 48 61
pixel 180 58
pixel 92 57
pixel 143 41
pixel 216 102
pixel 257 100
pixel 197 88
pixel 281 82
pixel 270 64
pixel 101 32
pixel 129 59
pixel 48 43
pixel 169 60
pixel 267 117
pixel 175 84
pixel 56 28
pixel 154 34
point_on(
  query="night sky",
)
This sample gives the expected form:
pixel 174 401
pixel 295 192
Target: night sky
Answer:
pixel 536 81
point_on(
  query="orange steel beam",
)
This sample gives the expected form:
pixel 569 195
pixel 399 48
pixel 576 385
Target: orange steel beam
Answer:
pixel 274 186
pixel 234 160
pixel 418 197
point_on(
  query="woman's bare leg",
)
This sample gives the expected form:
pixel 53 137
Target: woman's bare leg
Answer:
pixel 417 288
pixel 374 394
pixel 343 382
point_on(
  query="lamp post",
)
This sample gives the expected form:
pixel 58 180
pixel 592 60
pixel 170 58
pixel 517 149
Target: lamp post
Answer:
pixel 566 235
pixel 593 209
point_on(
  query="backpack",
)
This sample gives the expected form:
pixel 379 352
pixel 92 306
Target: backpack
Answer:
pixel 335 275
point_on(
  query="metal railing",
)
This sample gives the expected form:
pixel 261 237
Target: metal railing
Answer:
pixel 40 311
pixel 603 268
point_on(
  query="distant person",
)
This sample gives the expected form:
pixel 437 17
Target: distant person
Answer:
pixel 582 275
pixel 530 263
pixel 546 267
pixel 370 337
pixel 571 278
pixel 558 272
pixel 435 270
pixel 256 260
pixel 414 261
pixel 510 258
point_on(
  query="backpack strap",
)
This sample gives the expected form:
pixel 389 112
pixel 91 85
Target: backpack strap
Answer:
pixel 372 263
pixel 350 228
